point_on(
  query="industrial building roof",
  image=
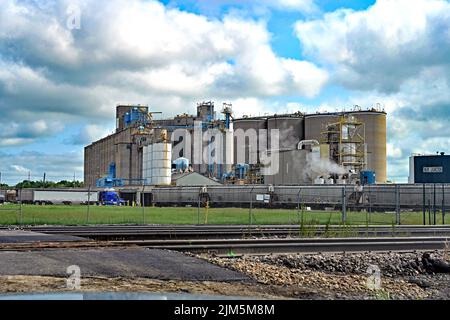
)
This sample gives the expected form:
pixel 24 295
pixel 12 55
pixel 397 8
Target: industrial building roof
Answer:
pixel 192 179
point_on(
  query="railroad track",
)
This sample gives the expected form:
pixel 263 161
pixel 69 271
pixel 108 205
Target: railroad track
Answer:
pixel 231 240
pixel 310 245
pixel 236 247
pixel 162 232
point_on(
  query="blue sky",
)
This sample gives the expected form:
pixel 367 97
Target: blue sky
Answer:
pixel 60 82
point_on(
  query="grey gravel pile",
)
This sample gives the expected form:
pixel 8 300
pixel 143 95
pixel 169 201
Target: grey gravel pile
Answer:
pixel 391 263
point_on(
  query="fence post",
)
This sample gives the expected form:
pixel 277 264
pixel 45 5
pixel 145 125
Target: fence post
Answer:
pixel 143 203
pixel 88 205
pixel 424 205
pixel 397 204
pixel 344 206
pixel 443 204
pixel 434 203
pixel 198 209
pixel 298 205
pixel 250 220
pixel 429 211
pixel 21 209
pixel 370 204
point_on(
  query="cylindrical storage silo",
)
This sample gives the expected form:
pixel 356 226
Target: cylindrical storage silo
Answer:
pixel 291 131
pixel 249 139
pixel 315 124
pixel 375 137
pixel 161 170
pixel 147 164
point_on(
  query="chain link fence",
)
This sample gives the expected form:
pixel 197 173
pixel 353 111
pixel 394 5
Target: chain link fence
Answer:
pixel 247 204
pixel 370 204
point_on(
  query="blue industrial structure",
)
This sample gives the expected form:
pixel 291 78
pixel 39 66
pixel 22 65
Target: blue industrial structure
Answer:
pixel 367 177
pixel 241 170
pixel 136 115
pixel 181 164
pixel 110 180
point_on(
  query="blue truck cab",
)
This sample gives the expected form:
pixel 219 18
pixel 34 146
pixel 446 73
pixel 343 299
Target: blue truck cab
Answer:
pixel 110 198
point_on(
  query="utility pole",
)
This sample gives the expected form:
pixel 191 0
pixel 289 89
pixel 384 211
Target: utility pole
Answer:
pixel 29 175
pixel 43 180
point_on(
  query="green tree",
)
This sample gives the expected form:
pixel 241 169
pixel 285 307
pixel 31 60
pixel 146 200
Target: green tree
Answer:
pixel 49 184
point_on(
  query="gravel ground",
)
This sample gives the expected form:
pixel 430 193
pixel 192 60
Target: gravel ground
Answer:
pixel 40 284
pixel 391 264
pixel 344 275
pixel 319 276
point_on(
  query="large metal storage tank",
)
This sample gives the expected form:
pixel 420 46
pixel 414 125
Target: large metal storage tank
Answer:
pixel 315 124
pixel 245 124
pixel 375 136
pixel 161 163
pixel 157 165
pixel 291 130
pixel 375 127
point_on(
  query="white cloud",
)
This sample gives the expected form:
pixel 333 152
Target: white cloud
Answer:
pixel 135 51
pixel 393 151
pixel 57 166
pixel 396 53
pixel 383 46
pixel 19 169
pixel 90 133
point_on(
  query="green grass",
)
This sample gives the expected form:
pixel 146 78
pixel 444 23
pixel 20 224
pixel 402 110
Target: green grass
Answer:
pixel 77 214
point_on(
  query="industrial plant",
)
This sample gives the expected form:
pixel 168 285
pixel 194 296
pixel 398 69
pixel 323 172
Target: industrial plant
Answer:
pixel 346 147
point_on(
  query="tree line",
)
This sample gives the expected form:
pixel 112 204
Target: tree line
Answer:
pixel 44 184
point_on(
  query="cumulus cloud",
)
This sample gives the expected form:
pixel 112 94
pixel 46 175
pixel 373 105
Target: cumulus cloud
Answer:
pixel 393 151
pixel 57 166
pixel 19 169
pixel 383 46
pixel 135 51
pixel 14 133
pixel 397 53
pixel 88 134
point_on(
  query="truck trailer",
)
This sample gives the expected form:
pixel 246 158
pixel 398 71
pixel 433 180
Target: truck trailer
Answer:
pixel 67 197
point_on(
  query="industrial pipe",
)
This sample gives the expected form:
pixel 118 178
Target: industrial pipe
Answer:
pixel 307 143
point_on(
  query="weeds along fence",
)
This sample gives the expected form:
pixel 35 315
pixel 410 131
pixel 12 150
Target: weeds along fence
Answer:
pixel 417 204
pixel 253 204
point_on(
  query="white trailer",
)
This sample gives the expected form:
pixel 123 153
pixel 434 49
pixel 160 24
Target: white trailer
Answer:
pixel 64 197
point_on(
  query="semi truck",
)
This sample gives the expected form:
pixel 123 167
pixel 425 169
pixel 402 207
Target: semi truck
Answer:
pixel 110 198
